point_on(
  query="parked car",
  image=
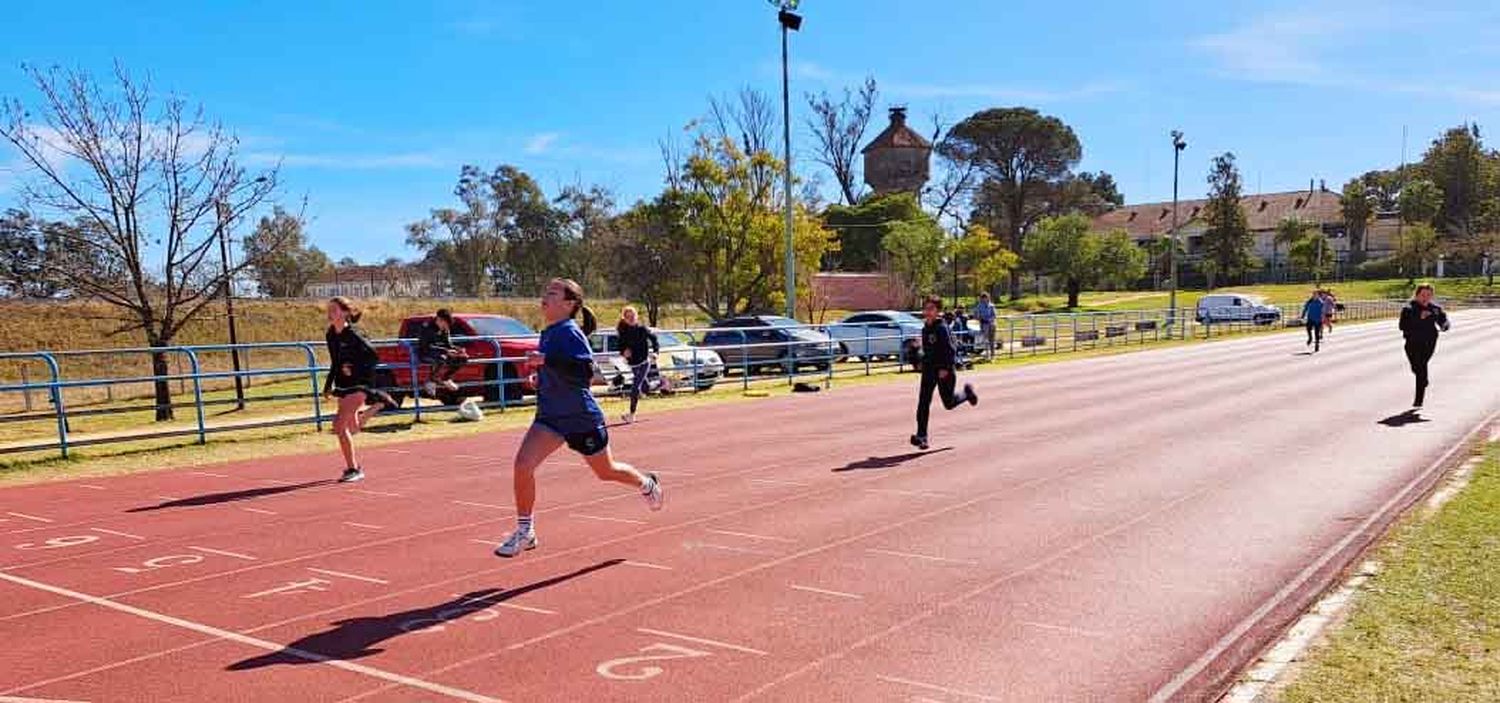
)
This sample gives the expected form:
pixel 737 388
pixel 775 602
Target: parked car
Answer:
pixel 878 334
pixel 478 377
pixel 678 361
pixel 769 341
pixel 1233 307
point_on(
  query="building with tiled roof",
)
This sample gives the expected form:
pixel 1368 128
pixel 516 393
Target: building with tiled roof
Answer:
pixel 1263 212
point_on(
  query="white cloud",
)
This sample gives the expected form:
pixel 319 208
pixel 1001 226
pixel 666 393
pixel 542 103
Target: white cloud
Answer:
pixel 1279 48
pixel 350 161
pixel 932 91
pixel 541 143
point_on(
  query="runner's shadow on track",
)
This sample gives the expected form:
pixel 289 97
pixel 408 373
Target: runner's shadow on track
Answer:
pixel 356 638
pixel 231 496
pixel 887 462
pixel 1410 417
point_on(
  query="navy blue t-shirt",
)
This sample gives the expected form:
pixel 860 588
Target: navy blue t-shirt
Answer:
pixel 563 400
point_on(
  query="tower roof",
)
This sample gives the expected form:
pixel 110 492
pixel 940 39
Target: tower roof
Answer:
pixel 897 135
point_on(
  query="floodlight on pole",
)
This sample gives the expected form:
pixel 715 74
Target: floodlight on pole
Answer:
pixel 790 21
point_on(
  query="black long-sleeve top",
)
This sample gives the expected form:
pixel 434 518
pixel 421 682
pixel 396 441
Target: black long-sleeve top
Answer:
pixel 434 340
pixel 352 359
pixel 937 346
pixel 638 340
pixel 1419 330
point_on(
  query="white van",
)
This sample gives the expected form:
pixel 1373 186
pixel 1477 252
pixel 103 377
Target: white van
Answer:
pixel 1233 307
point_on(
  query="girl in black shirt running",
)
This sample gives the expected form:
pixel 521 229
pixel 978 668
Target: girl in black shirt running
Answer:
pixel 1421 322
pixel 351 379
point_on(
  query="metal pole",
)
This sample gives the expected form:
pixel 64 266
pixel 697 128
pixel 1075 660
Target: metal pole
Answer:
pixel 234 350
pixel 1177 146
pixel 786 130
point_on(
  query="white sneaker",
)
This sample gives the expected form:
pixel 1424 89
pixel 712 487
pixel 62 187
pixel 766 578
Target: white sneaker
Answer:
pixel 429 389
pixel 628 418
pixel 654 497
pixel 517 542
pixel 450 385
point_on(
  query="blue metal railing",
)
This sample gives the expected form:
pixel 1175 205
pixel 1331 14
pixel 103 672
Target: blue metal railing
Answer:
pixel 503 381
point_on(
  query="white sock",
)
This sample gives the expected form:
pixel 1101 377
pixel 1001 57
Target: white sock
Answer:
pixel 523 522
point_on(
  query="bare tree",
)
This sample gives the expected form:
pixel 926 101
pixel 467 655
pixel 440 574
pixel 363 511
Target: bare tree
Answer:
pixel 949 196
pixel 839 128
pixel 155 184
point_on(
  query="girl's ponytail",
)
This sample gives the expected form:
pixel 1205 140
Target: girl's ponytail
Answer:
pixel 590 323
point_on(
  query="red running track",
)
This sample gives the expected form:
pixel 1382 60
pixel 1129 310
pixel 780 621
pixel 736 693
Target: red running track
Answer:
pixel 1122 528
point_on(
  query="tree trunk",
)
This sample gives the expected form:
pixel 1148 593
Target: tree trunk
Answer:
pixel 160 370
pixel 1073 290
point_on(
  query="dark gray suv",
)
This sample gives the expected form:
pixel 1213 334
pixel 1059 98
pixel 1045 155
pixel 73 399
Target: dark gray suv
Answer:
pixel 761 341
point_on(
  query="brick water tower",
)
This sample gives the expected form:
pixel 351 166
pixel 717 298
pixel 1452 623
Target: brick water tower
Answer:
pixel 897 159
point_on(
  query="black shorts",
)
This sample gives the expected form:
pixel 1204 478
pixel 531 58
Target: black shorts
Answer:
pixel 585 443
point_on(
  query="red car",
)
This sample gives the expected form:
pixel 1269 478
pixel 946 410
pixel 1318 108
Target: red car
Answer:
pixel 479 376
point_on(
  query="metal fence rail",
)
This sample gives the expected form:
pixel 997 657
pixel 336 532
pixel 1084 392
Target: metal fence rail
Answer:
pixel 287 391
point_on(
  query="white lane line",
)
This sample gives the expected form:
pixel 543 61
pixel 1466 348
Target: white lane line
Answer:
pixel 486 542
pixel 168 499
pixel 899 492
pixel 836 594
pixel 258 643
pixel 700 640
pixel 24 516
pixel 206 550
pixel 1064 628
pixel 723 547
pixel 939 689
pixel 365 526
pixel 209 473
pixel 601 518
pixel 382 494
pixel 747 535
pixel 673 472
pixel 258 510
pixel 18 699
pixel 117 534
pixel 647 565
pixel 92 487
pixel 356 577
pixel 482 505
pixel 277 481
pixel 924 557
pixel 776 482
pixel 526 608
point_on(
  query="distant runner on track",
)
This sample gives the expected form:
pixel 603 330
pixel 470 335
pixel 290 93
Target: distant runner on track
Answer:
pixel 939 362
pixel 566 412
pixel 1421 322
pixel 1312 317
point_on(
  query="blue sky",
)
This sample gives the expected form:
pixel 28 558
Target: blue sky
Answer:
pixel 372 106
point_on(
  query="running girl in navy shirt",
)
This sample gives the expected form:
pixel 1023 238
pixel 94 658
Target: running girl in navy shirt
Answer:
pixel 566 412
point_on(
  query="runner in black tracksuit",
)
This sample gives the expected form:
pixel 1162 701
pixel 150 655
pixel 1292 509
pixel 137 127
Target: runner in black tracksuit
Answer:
pixel 938 372
pixel 637 344
pixel 1421 322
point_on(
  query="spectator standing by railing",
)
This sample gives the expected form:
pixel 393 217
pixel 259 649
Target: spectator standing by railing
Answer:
pixel 985 313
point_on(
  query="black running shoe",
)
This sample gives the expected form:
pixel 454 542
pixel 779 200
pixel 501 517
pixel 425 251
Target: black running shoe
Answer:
pixel 972 397
pixel 919 442
pixel 352 475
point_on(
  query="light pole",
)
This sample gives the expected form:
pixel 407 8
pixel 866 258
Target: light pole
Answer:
pixel 790 21
pixel 1177 146
pixel 222 209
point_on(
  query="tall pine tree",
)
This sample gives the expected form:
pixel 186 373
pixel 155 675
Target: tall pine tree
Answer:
pixel 1228 248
